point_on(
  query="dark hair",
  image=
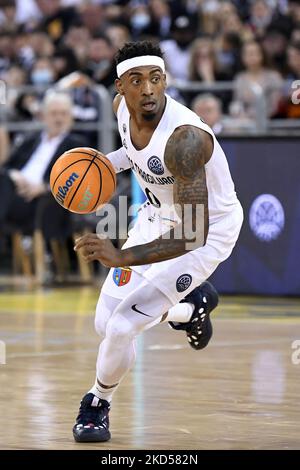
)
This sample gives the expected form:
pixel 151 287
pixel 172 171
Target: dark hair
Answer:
pixel 137 49
pixel 295 45
pixel 104 37
pixel 7 3
pixel 257 42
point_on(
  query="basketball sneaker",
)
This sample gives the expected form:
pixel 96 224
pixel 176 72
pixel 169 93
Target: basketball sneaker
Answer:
pixel 92 422
pixel 199 329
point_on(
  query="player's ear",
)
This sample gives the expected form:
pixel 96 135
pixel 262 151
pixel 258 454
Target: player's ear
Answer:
pixel 119 86
pixel 165 80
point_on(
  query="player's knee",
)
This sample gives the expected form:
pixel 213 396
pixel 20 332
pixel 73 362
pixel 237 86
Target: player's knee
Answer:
pixel 104 311
pixel 120 330
pixel 101 319
pixel 100 326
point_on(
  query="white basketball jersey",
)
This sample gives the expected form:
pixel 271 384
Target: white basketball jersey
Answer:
pixel 153 175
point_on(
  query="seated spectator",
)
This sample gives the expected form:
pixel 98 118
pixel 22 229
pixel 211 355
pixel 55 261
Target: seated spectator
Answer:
pixel 295 37
pixel 41 44
pixel 232 23
pixel 43 73
pixel 7 51
pixel 203 64
pixel 27 107
pixel 160 18
pixel 8 21
pixel 92 16
pixel 260 17
pixel 100 61
pixel 209 108
pixel 290 107
pixel 139 19
pixel 56 19
pixel 152 20
pixel 4 145
pixel 228 53
pixel 19 10
pixel 294 13
pixel 293 54
pixel 274 44
pixel 24 180
pixel 78 38
pixel 64 62
pixel 205 68
pixel 177 49
pixel 15 77
pixel 86 102
pixel 257 80
pixel 118 35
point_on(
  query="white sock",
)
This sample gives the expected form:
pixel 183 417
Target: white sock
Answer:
pixel 102 392
pixel 181 312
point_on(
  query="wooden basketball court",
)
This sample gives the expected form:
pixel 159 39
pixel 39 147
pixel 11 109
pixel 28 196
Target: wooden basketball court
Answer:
pixel 242 392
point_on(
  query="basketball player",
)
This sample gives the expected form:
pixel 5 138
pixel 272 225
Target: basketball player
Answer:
pixel 176 159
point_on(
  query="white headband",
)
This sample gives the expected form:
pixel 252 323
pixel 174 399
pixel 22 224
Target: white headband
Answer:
pixel 139 62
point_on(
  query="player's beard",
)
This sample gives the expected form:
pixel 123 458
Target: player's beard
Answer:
pixel 149 117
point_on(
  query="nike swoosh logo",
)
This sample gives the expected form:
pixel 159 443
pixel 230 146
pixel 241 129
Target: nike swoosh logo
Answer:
pixel 138 311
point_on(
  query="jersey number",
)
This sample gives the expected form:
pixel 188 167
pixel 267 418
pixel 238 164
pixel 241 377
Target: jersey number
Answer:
pixel 152 198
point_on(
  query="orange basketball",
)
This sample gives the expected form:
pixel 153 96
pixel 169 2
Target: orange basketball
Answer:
pixel 82 180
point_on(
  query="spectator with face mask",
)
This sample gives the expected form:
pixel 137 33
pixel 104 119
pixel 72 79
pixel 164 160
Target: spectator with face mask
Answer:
pixel 139 20
pixel 42 73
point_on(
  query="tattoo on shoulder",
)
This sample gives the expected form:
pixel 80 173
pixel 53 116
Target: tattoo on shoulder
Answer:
pixel 187 150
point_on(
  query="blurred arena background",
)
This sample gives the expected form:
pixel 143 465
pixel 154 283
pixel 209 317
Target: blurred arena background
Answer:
pixel 237 65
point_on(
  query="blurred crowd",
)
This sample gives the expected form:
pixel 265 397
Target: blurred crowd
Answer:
pixel 69 45
pixel 253 43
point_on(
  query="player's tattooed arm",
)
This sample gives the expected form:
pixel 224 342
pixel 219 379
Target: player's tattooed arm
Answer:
pixel 187 151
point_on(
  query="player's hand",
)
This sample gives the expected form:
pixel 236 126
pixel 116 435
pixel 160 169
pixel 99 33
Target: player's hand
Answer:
pixel 94 248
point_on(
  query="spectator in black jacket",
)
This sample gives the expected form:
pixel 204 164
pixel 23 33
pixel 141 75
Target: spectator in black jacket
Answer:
pixel 24 180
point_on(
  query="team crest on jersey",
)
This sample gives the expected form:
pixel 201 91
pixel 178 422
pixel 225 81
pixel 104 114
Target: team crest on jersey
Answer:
pixel 183 282
pixel 121 276
pixel 124 128
pixel 155 165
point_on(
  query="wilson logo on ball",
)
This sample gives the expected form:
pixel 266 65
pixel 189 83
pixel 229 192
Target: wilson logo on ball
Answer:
pixel 63 190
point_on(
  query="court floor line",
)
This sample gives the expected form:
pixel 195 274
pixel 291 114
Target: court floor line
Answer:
pixel 154 347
